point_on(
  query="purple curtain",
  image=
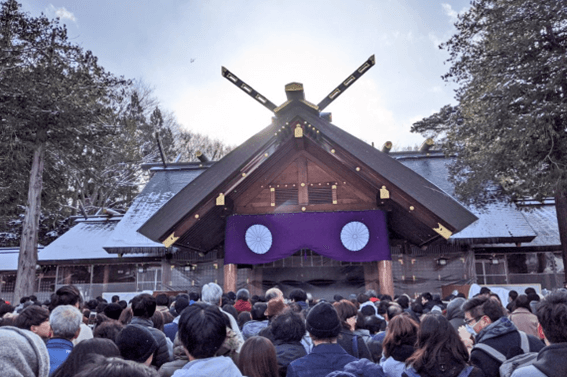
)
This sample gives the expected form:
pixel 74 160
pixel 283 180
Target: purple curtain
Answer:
pixel 360 236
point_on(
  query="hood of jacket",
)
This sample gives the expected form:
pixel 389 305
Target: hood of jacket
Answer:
pixel 454 308
pixel 212 366
pixel 494 330
pixel 253 327
pixel 552 360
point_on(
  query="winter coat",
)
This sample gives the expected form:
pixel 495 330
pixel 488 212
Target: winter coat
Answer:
pixel 242 306
pixel 345 340
pixel 394 365
pixel 58 349
pixel 180 358
pixel 503 336
pixel 212 366
pixel 286 353
pixel 323 359
pixel 162 355
pixel 525 321
pixel 360 368
pixel 22 353
pixel 170 329
pixel 551 362
pixel 253 328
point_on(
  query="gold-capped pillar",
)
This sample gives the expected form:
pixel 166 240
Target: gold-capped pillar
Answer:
pixel 385 277
pixel 230 276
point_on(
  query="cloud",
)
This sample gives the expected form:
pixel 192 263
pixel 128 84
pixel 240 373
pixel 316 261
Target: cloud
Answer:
pixel 435 39
pixel 62 13
pixel 449 11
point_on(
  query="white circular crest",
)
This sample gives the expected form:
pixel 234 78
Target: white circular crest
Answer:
pixel 259 239
pixel 355 235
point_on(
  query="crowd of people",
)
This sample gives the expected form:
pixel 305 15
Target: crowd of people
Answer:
pixel 216 333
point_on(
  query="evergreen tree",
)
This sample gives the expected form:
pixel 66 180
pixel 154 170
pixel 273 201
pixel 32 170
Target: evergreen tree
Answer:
pixel 509 130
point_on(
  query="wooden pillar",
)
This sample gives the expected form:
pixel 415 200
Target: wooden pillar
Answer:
pixel 370 276
pixel 385 277
pixel 255 282
pixel 230 276
pixel 166 268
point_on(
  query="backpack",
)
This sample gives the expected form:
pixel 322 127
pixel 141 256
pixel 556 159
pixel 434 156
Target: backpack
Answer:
pixel 508 366
pixel 464 373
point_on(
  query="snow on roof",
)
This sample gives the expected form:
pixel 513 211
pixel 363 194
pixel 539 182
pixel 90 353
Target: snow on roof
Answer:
pixel 9 260
pixel 496 222
pixel 83 241
pixel 163 185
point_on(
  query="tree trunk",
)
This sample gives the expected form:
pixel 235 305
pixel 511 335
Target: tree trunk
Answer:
pixel 561 209
pixel 27 260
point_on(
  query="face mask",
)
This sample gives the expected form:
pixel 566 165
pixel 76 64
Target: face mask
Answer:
pixel 470 330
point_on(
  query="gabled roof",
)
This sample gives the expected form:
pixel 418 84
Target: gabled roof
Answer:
pixel 412 190
pixel 497 222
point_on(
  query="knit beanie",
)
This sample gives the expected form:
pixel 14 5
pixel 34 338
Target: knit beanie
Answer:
pixel 22 353
pixel 136 343
pixel 113 311
pixel 323 321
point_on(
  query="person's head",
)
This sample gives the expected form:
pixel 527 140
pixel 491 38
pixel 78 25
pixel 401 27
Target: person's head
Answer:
pixel 258 358
pixel 297 295
pixel 157 320
pixel 65 322
pixel 552 315
pixel 67 295
pixel 512 295
pixel 6 308
pixel 403 301
pixel 243 317
pixel 211 294
pixel 402 330
pixel 454 309
pixel 115 299
pixel 372 324
pixel 288 327
pixel 81 351
pixel 22 353
pixel 144 306
pixel 136 343
pixel 180 304
pixel 274 293
pixel 393 310
pixel 522 301
pixel 259 311
pixel 323 323
pixel 202 330
pixel 108 329
pixel 123 304
pixel 347 313
pixel 35 319
pixel 484 291
pixel 425 297
pixel 230 310
pixel 113 311
pixel 529 290
pixel 242 294
pixel 126 316
pixel 362 298
pixel 162 300
pixel 275 307
pixel 194 296
pixel 481 312
pixel 437 343
pixel 97 365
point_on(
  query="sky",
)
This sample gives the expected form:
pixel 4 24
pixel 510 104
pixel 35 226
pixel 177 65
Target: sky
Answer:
pixel 178 48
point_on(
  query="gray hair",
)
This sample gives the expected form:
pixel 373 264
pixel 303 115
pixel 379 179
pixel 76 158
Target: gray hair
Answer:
pixel 211 293
pixel 243 294
pixel 65 321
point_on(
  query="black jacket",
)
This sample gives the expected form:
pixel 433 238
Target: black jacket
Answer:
pixel 504 337
pixel 286 353
pixel 552 360
pixel 161 356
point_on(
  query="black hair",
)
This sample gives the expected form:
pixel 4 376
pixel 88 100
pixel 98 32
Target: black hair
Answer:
pixel 338 297
pixel 33 298
pixel 24 299
pixel 202 330
pixel 404 301
pixel 243 317
pixel 298 295
pixel 31 316
pixel 393 310
pixel 427 296
pixel 386 298
pixel 372 324
pixel 115 298
pixel 230 310
pixel 97 365
pixel 529 290
pixel 123 304
pixel 484 290
pixel 66 295
pixel 482 305
pixel 108 329
pixel 288 327
pixel 92 304
pixel 76 359
pixel 6 308
pixel 362 298
pixel 258 311
pixel 193 296
pixel 144 306
pixel 522 301
pixel 162 299
pixel 513 295
pixel 552 315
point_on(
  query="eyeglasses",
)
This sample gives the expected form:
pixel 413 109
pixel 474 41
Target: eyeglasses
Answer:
pixel 469 321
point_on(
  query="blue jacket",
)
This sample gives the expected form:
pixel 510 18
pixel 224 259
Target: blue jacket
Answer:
pixel 171 329
pixel 58 349
pixel 323 359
